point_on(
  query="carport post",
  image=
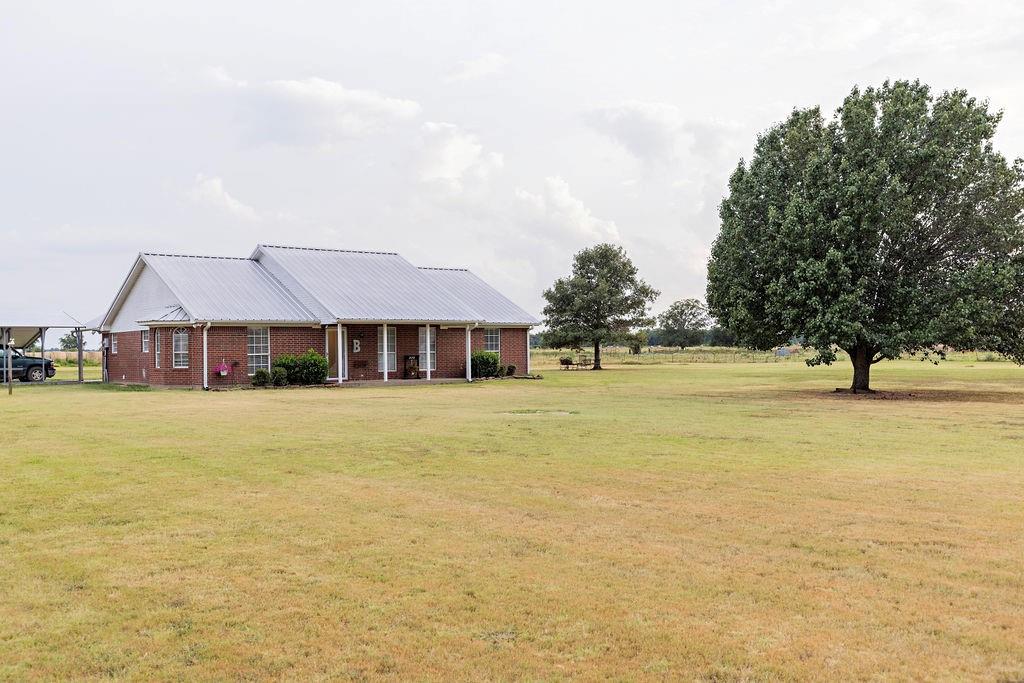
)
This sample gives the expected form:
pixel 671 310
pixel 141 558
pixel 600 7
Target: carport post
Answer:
pixel 81 373
pixel 7 361
pixel 42 349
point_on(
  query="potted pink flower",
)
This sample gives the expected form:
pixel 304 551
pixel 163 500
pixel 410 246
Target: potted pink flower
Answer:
pixel 221 369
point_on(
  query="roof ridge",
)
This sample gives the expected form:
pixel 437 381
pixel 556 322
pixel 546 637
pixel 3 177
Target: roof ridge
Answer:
pixel 282 288
pixel 461 270
pixel 345 251
pixel 224 258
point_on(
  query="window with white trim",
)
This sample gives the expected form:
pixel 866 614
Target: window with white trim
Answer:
pixel 145 341
pixel 492 339
pixel 179 348
pixel 156 348
pixel 113 344
pixel 392 349
pixel 258 344
pixel 432 358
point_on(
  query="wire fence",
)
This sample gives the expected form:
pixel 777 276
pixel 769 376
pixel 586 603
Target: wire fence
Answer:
pixel 659 355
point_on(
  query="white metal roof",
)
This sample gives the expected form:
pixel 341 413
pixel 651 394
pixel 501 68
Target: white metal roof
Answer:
pixel 364 285
pixel 488 304
pixel 308 286
pixel 214 288
pixel 165 314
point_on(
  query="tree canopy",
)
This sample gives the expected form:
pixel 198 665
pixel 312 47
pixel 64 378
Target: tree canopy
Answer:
pixel 601 300
pixel 683 324
pixel 895 227
pixel 69 342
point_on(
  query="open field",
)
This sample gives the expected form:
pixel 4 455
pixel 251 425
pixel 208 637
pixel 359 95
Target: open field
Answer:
pixel 711 521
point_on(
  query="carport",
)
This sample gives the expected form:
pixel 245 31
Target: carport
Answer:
pixel 21 336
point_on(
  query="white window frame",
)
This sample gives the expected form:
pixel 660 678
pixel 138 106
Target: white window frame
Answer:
pixel 432 358
pixel 249 349
pixel 113 344
pixel 392 349
pixel 156 348
pixel 488 331
pixel 145 341
pixel 175 353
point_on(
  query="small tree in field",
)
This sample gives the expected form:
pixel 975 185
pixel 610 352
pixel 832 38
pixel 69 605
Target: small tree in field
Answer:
pixel 893 228
pixel 601 300
pixel 683 324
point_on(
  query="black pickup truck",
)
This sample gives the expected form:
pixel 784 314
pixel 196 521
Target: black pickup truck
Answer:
pixel 25 368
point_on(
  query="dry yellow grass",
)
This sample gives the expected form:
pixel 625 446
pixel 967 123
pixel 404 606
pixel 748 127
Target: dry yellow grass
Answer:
pixel 650 522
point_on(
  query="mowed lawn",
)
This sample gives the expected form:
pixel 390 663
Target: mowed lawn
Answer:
pixel 718 521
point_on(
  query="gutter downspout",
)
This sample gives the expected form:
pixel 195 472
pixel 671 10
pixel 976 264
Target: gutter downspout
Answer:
pixel 206 369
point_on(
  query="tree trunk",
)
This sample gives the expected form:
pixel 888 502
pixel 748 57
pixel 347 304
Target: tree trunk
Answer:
pixel 860 356
pixel 597 355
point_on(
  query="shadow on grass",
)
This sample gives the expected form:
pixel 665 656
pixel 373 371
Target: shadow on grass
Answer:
pixel 920 395
pixel 86 386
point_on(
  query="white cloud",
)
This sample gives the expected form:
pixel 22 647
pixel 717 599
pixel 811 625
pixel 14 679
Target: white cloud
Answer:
pixel 648 130
pixel 656 132
pixel 556 210
pixel 211 192
pixel 312 111
pixel 450 157
pixel 472 69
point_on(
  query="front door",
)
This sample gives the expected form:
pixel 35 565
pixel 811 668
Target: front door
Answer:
pixel 332 352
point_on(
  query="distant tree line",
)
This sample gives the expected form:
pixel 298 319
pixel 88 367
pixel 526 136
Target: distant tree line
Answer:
pixel 685 323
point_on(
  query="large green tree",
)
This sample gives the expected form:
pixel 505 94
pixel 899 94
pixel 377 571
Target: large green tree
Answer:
pixel 601 300
pixel 894 227
pixel 683 324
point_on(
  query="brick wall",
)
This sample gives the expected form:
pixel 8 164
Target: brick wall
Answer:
pixel 129 364
pixel 229 345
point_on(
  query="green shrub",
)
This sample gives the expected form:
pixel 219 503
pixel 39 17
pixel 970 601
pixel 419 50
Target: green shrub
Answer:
pixel 502 370
pixel 260 378
pixel 288 362
pixel 308 368
pixel 279 376
pixel 313 368
pixel 484 363
pixel 511 370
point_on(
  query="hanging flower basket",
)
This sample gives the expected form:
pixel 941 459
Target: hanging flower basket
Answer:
pixel 221 369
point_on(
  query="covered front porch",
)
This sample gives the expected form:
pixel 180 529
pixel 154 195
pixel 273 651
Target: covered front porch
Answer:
pixel 386 351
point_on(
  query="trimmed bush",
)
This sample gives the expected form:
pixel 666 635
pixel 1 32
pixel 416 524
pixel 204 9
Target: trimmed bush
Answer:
pixel 484 363
pixel 288 362
pixel 308 368
pixel 502 371
pixel 279 376
pixel 260 378
pixel 511 371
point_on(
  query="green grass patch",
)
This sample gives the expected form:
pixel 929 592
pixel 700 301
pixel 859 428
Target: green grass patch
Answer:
pixel 729 521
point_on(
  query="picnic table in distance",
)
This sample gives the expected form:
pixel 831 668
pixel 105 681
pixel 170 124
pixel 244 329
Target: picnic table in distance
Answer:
pixel 581 362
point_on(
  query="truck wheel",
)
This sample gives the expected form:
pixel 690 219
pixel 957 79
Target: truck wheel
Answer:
pixel 35 374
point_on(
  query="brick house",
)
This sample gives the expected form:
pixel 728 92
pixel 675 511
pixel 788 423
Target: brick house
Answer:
pixel 178 318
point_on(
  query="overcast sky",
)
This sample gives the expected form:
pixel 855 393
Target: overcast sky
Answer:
pixel 500 136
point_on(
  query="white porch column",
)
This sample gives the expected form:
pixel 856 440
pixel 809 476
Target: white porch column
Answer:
pixel 469 354
pixel 384 348
pixel 426 342
pixel 341 356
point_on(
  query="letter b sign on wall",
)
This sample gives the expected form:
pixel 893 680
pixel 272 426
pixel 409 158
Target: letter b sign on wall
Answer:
pixel 355 346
